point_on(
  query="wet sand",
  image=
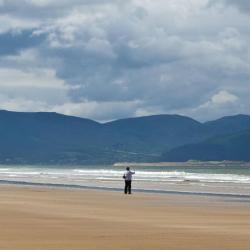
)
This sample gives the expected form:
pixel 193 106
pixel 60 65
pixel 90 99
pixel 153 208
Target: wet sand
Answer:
pixel 44 218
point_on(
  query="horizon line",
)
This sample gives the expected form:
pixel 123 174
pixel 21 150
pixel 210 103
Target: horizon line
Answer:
pixel 125 118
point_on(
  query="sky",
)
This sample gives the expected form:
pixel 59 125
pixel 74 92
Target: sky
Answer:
pixel 111 59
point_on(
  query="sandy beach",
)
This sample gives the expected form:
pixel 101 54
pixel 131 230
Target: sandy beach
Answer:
pixel 43 218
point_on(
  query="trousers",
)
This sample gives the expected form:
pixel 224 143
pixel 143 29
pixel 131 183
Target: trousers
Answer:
pixel 127 188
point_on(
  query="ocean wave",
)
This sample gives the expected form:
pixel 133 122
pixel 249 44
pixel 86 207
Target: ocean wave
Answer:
pixel 116 175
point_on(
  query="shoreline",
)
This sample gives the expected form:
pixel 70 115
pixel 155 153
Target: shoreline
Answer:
pixel 20 184
pixel 184 164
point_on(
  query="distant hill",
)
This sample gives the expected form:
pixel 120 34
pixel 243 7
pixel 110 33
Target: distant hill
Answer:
pixel 156 133
pixel 232 147
pixel 51 138
pixel 45 137
pixel 54 138
pixel 229 124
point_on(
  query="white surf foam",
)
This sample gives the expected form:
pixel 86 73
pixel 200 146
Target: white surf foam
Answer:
pixel 29 174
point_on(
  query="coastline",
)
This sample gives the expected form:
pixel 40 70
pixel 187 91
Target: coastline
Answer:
pixel 58 218
pixel 23 184
pixel 189 163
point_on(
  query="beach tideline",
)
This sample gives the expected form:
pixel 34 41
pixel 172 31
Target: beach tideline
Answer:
pixel 35 218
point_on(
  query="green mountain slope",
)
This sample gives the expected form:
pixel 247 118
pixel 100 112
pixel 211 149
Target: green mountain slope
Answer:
pixel 229 124
pixel 54 138
pixel 156 133
pixel 51 138
pixel 233 147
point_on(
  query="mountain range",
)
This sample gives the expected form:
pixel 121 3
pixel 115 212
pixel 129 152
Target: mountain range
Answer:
pixel 52 138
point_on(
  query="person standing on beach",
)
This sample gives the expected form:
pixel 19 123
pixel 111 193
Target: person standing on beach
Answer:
pixel 128 180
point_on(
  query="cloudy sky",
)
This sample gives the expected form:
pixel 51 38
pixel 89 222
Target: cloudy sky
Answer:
pixel 110 59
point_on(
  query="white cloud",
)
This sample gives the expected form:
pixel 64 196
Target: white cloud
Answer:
pixel 101 111
pixel 21 104
pixel 223 97
pixel 24 89
pixel 219 104
pixel 15 24
pixel 113 58
pixel 37 79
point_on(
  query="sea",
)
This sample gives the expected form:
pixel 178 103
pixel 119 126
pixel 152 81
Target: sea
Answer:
pixel 200 180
